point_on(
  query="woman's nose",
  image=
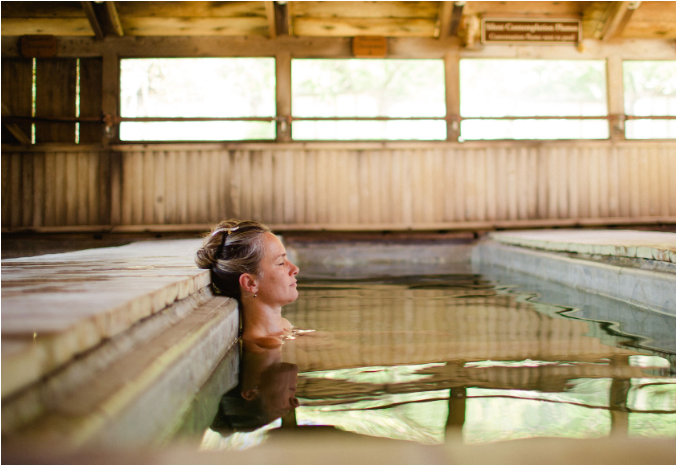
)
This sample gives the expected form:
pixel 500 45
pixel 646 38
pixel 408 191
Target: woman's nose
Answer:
pixel 294 269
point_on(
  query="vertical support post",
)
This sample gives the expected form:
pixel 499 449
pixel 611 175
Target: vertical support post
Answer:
pixel 456 410
pixel 619 389
pixel 452 76
pixel 283 72
pixel 110 98
pixel 110 94
pixel 615 97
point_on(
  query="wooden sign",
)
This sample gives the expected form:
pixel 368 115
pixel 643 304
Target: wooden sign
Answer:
pixel 38 46
pixel 369 47
pixel 530 31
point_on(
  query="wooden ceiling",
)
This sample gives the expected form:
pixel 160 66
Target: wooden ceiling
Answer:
pixel 601 20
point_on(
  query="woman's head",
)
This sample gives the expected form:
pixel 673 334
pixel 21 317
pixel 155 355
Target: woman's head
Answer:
pixel 233 248
pixel 245 257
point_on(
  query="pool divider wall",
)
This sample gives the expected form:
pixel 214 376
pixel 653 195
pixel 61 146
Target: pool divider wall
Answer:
pixel 142 395
pixel 648 289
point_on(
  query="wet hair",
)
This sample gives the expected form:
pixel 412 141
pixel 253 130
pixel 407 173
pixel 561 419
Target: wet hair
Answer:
pixel 232 248
pixel 235 414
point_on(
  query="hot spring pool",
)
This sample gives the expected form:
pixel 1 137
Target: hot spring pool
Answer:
pixel 484 357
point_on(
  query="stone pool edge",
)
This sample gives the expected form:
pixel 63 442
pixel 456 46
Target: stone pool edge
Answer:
pixel 647 289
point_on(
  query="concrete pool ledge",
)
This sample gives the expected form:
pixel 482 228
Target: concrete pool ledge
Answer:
pixel 649 289
pixel 57 306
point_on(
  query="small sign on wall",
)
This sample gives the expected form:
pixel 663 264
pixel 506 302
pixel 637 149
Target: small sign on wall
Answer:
pixel 38 46
pixel 540 31
pixel 369 47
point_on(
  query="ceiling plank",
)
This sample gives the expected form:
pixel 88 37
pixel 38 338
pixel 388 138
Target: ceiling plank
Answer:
pixel 652 20
pixel 429 10
pixel 445 15
pixel 348 27
pixel 114 18
pixel 540 9
pixel 52 26
pixel 93 20
pixel 154 26
pixel 42 10
pixel 270 13
pixel 189 9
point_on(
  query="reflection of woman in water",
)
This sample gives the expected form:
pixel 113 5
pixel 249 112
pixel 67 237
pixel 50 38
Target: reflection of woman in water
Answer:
pixel 249 263
pixel 266 391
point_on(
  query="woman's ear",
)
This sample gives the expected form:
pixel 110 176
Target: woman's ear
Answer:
pixel 250 394
pixel 248 283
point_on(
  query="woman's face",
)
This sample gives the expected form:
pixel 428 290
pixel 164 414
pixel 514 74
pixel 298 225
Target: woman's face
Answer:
pixel 277 284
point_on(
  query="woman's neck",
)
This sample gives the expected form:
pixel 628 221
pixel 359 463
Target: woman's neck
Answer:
pixel 260 320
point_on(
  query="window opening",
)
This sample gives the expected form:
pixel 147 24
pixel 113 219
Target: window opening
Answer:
pixel 34 94
pixel 77 100
pixel 368 99
pixel 533 99
pixel 650 99
pixel 197 99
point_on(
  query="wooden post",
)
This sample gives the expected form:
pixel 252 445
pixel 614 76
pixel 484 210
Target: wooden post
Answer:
pixel 615 97
pixel 452 73
pixel 111 94
pixel 283 66
pixel 456 409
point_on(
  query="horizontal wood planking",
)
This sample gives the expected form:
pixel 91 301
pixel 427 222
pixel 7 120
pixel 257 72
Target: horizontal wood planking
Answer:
pixel 342 187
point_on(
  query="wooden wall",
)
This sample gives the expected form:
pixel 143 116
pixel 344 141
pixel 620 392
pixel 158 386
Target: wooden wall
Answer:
pixel 350 186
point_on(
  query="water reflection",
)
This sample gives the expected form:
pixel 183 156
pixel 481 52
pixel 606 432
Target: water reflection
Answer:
pixel 421 359
pixel 266 392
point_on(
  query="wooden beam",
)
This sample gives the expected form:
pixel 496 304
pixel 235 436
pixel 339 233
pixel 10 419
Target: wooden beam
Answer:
pixel 452 74
pixel 335 47
pixel 114 18
pixel 93 20
pixel 270 13
pixel 283 91
pixel 14 128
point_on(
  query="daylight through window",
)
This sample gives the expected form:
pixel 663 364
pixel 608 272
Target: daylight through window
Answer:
pixel 203 96
pixel 649 91
pixel 492 91
pixel 361 99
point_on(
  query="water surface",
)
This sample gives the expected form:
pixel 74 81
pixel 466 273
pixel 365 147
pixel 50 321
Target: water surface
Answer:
pixel 425 357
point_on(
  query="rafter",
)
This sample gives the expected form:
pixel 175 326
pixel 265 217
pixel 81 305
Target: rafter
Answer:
pixel 93 20
pixel 270 14
pixel 613 19
pixel 114 18
pixel 456 17
pixel 445 15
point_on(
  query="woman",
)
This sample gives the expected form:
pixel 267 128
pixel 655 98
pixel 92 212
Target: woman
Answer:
pixel 249 263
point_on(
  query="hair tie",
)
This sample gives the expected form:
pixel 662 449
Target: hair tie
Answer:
pixel 229 230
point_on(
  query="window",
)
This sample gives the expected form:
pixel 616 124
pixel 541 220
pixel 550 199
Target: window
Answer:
pixel 358 99
pixel 649 91
pixel 492 91
pixel 210 99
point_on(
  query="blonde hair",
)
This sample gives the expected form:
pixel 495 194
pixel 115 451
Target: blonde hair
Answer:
pixel 232 248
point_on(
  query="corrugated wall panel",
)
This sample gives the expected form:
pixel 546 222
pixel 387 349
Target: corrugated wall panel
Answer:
pixel 342 188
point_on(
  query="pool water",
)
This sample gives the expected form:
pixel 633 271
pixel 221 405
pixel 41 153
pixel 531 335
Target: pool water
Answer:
pixel 420 358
